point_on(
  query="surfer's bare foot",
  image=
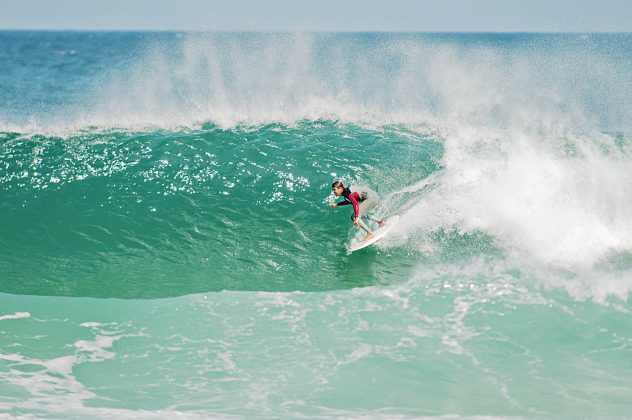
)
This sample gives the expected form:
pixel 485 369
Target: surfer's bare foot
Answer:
pixel 368 236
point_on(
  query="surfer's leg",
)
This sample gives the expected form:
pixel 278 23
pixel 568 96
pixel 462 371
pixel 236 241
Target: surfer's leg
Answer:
pixel 369 204
pixel 374 219
pixel 366 206
pixel 364 227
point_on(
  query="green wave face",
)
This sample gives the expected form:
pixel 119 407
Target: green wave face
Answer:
pixel 122 214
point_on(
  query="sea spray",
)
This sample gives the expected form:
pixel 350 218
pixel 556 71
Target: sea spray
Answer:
pixel 555 85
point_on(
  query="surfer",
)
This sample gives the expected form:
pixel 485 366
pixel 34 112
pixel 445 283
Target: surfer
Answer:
pixel 363 201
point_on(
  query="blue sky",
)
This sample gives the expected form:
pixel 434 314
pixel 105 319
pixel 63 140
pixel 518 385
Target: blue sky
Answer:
pixel 324 15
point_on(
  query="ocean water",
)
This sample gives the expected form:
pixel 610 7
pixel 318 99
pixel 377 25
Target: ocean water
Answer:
pixel 166 248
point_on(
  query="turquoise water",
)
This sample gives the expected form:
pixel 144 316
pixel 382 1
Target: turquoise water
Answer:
pixel 167 249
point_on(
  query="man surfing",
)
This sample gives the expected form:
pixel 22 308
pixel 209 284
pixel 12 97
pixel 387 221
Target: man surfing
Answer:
pixel 363 201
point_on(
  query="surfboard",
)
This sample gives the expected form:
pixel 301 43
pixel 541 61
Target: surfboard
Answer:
pixel 379 233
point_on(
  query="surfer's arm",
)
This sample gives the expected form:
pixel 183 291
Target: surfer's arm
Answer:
pixel 354 201
pixel 342 203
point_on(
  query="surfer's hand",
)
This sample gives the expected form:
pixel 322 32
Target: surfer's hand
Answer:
pixel 355 221
pixel 332 204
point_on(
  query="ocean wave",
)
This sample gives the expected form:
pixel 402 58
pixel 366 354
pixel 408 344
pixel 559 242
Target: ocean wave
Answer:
pixel 483 146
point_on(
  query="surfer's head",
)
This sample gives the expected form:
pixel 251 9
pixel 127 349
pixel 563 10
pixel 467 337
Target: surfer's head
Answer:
pixel 338 188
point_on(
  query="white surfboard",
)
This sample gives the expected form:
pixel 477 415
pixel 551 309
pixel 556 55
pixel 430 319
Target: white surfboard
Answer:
pixel 379 234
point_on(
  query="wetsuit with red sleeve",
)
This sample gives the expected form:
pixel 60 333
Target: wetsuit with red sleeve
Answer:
pixel 353 198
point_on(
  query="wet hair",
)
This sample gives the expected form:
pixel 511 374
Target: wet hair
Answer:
pixel 337 184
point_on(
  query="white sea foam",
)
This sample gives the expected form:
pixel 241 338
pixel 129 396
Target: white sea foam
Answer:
pixel 53 386
pixel 16 315
pixel 568 208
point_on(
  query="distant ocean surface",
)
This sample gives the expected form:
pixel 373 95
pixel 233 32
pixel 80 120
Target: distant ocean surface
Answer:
pixel 166 248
